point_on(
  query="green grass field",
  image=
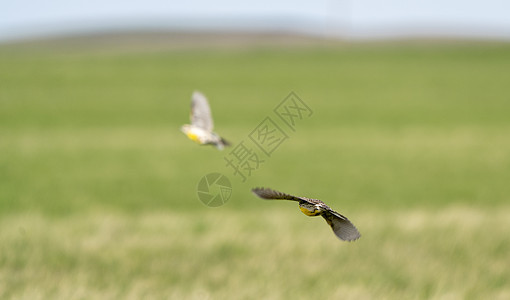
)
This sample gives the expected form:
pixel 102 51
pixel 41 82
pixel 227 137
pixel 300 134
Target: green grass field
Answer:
pixel 411 141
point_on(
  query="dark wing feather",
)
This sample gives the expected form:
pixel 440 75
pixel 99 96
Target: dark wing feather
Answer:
pixel 266 193
pixel 342 227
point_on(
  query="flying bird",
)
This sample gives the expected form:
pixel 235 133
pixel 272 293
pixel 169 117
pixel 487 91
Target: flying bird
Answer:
pixel 200 130
pixel 342 227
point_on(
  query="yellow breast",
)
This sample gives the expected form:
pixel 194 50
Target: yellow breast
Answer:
pixel 308 212
pixel 193 136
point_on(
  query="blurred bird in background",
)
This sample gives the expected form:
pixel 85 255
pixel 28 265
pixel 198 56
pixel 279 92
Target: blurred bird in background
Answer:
pixel 200 130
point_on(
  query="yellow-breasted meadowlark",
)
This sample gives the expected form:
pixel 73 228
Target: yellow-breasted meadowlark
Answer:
pixel 342 227
pixel 200 130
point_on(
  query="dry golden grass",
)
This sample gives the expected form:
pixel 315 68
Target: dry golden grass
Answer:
pixel 454 253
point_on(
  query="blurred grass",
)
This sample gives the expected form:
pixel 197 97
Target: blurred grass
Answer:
pixel 419 254
pixel 97 184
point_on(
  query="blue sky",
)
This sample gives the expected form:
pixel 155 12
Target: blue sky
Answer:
pixel 356 18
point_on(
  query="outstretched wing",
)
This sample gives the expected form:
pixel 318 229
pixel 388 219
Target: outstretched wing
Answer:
pixel 201 112
pixel 342 227
pixel 266 193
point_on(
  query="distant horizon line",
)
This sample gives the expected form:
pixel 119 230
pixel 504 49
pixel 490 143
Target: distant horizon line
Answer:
pixel 292 26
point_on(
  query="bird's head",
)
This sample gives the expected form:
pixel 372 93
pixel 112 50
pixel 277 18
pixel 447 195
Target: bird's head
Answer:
pixel 185 128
